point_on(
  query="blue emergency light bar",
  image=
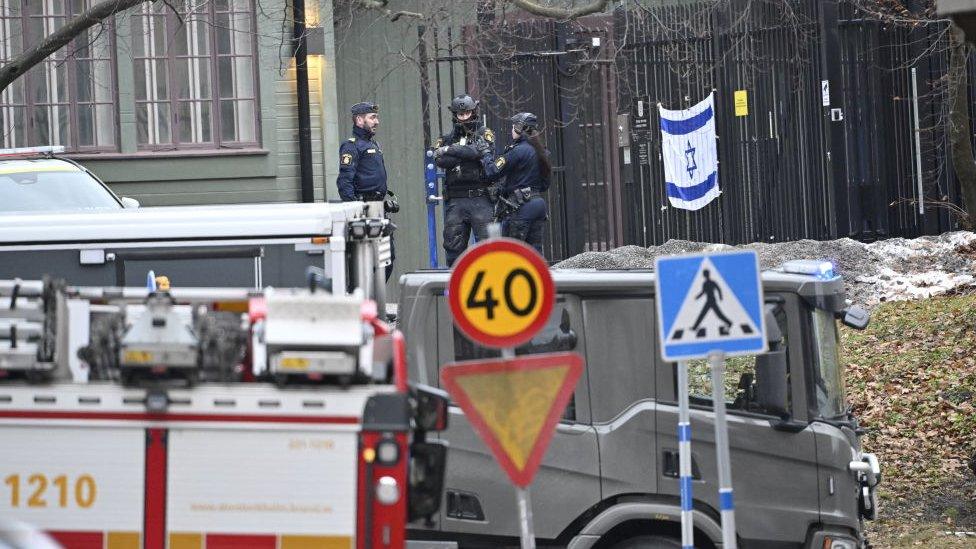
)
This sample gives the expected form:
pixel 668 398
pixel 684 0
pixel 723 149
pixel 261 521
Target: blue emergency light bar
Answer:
pixel 811 267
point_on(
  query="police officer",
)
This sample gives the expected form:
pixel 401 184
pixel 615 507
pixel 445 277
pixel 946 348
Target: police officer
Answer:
pixel 526 168
pixel 362 174
pixel 467 206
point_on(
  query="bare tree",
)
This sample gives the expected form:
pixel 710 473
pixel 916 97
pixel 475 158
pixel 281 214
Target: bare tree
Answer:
pixel 959 123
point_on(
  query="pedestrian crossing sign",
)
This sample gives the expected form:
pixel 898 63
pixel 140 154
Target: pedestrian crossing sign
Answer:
pixel 709 302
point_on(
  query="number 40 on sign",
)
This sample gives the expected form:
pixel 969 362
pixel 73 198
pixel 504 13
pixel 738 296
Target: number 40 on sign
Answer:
pixel 501 293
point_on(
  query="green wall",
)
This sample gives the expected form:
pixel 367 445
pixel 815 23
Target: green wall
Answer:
pixel 267 174
pixel 376 62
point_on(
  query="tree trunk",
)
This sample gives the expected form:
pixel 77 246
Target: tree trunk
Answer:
pixel 959 137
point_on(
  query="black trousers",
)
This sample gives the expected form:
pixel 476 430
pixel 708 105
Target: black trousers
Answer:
pixel 462 216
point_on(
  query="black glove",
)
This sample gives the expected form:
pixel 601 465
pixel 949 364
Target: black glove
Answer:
pixel 482 146
pixel 463 152
pixel 390 203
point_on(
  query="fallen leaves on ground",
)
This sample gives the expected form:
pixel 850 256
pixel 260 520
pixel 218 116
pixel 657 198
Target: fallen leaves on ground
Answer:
pixel 912 381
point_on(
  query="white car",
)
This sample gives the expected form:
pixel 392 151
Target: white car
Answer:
pixel 34 180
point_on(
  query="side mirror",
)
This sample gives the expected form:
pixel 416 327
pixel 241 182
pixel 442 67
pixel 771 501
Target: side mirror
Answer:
pixel 771 383
pixel 129 203
pixel 855 317
pixel 429 408
pixel 428 463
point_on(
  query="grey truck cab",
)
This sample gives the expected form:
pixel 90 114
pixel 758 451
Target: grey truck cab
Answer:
pixel 610 476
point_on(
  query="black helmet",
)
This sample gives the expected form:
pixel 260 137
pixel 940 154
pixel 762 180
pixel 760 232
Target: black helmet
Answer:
pixel 463 102
pixel 525 122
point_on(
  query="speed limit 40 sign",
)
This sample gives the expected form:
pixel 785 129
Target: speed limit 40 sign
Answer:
pixel 501 293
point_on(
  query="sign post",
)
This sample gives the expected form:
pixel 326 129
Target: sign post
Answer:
pixel 501 295
pixel 430 181
pixel 708 306
pixel 725 503
pixel 526 528
pixel 684 459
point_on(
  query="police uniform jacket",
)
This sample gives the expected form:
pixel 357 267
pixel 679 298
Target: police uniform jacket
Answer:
pixel 519 165
pixel 361 168
pixel 461 163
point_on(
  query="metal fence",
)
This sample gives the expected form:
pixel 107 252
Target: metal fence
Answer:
pixel 867 157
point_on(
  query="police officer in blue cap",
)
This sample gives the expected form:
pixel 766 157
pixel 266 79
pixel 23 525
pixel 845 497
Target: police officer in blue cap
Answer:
pixel 526 168
pixel 362 174
pixel 467 205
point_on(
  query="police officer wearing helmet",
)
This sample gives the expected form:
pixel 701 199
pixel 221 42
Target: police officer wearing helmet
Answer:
pixel 467 206
pixel 526 168
pixel 362 173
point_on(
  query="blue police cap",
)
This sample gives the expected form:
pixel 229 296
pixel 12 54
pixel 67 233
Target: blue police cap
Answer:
pixel 364 108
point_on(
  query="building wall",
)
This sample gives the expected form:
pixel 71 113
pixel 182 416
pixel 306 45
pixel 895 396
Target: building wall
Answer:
pixel 267 174
pixel 376 62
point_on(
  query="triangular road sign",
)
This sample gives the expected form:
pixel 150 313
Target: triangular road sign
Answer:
pixel 515 404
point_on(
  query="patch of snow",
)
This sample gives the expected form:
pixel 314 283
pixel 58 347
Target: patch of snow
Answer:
pixel 886 270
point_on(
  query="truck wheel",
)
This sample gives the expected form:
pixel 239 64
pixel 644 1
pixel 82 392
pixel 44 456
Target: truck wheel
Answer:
pixel 648 542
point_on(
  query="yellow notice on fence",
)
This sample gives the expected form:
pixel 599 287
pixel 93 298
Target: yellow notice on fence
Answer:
pixel 741 103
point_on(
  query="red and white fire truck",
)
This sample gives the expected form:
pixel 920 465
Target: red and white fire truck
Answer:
pixel 200 418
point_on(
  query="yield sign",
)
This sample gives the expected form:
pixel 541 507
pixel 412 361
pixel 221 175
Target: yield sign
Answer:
pixel 514 404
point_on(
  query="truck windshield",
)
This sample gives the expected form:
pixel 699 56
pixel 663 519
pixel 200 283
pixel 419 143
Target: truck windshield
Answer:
pixel 829 374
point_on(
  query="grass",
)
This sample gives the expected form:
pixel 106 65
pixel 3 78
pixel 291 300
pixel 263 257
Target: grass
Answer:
pixel 912 380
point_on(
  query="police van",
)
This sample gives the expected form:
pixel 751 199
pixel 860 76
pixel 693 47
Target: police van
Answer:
pixel 610 476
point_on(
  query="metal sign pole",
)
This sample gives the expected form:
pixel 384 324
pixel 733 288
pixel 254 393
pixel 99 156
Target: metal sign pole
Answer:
pixel 430 180
pixel 526 530
pixel 684 458
pixel 526 533
pixel 726 505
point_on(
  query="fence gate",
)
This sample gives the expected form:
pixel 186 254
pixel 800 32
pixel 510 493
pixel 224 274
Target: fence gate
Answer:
pixel 596 85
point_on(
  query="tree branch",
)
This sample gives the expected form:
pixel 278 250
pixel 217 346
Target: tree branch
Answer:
pixel 61 37
pixel 596 6
pixel 380 6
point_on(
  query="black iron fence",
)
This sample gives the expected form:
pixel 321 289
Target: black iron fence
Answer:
pixel 844 135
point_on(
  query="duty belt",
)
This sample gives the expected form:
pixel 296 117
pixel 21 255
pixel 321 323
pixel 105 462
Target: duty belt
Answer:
pixel 523 195
pixel 371 196
pixel 465 193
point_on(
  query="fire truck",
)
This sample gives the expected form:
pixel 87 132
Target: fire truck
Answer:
pixel 210 417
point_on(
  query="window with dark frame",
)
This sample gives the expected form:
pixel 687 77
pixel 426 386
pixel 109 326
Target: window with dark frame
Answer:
pixel 558 335
pixel 740 387
pixel 195 79
pixel 69 99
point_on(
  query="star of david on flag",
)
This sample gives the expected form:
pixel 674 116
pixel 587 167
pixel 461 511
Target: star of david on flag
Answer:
pixel 689 150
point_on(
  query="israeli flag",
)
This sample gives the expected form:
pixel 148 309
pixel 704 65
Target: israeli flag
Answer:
pixel 690 154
